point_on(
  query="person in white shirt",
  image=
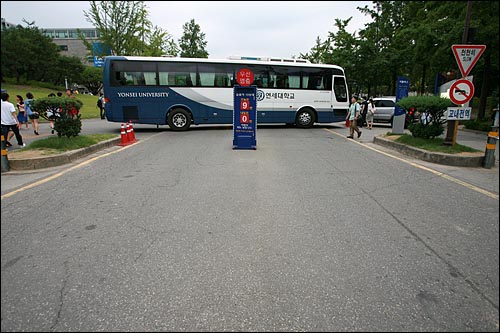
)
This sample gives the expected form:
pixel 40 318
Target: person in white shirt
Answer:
pixel 10 122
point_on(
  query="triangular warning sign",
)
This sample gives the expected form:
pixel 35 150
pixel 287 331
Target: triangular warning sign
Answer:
pixel 467 56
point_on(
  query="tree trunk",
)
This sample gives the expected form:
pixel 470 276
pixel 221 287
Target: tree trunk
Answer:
pixel 422 84
pixel 485 87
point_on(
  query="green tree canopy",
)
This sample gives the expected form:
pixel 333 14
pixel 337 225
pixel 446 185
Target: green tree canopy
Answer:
pixel 192 43
pixel 124 28
pixel 27 53
pixel 413 39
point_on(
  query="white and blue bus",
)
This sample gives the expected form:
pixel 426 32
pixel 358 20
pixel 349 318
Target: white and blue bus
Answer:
pixel 180 92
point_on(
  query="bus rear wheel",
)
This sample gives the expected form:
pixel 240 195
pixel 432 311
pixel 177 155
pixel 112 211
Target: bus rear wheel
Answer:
pixel 179 120
pixel 305 118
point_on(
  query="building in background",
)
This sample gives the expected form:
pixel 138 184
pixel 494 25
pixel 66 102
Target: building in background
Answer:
pixel 69 44
pixel 6 25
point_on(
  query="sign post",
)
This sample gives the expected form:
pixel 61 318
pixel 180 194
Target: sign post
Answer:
pixel 462 91
pixel 244 111
pixel 467 56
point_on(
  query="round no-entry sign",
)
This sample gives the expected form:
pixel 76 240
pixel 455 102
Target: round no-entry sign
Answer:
pixel 244 77
pixel 461 91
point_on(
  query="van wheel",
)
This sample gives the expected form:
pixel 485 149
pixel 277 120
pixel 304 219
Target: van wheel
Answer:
pixel 305 118
pixel 179 120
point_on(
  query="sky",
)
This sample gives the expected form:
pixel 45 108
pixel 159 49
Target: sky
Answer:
pixel 232 28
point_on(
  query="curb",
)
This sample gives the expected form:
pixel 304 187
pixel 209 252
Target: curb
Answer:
pixel 433 157
pixel 60 159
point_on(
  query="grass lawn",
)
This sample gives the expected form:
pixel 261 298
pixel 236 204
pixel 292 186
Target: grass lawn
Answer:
pixel 89 108
pixel 435 145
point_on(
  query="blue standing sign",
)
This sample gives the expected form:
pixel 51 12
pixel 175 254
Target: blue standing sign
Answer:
pixel 402 88
pixel 401 91
pixel 245 117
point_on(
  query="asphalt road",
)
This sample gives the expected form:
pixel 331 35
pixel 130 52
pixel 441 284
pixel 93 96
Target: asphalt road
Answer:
pixel 310 232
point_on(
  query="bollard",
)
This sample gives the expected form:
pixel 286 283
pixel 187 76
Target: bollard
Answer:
pixel 5 160
pixel 489 154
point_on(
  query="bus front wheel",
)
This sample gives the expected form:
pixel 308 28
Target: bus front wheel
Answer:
pixel 305 118
pixel 179 120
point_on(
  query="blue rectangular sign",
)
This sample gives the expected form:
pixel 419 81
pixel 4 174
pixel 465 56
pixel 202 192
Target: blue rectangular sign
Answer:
pixel 99 51
pixel 244 117
pixel 402 89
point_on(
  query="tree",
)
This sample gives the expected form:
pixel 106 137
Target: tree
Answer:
pixel 92 79
pixel 27 53
pixel 124 29
pixel 316 56
pixel 70 68
pixel 192 43
pixel 484 24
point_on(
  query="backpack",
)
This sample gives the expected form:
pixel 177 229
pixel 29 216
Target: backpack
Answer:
pixel 27 107
pixel 99 102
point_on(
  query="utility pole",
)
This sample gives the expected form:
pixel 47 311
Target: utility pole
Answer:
pixel 451 134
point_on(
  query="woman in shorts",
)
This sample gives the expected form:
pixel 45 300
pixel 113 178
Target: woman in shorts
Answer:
pixel 31 114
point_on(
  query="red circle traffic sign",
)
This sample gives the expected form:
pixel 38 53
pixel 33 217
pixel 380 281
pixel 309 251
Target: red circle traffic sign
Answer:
pixel 244 77
pixel 461 91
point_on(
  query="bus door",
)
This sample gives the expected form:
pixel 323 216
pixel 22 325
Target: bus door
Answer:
pixel 340 98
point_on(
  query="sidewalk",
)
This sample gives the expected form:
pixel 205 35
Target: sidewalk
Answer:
pixel 89 126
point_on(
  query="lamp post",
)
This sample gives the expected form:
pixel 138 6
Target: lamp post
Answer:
pixel 66 82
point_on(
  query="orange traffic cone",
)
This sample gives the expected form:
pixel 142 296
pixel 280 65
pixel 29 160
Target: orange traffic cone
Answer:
pixel 129 134
pixel 132 132
pixel 124 136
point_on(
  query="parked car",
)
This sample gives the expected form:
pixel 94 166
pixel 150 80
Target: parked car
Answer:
pixel 385 108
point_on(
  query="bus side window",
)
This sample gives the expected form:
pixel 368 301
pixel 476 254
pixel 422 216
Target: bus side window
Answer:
pixel 120 78
pixel 315 83
pixel 128 79
pixel 172 80
pixel 280 82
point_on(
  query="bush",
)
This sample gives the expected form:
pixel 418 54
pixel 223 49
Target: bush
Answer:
pixel 479 125
pixel 429 131
pixel 68 125
pixel 66 112
pixel 434 108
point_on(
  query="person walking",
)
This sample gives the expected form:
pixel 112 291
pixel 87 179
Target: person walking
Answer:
pixel 370 114
pixel 69 93
pixel 364 110
pixel 10 122
pixel 22 116
pixel 34 116
pixel 100 104
pixel 352 115
pixel 52 114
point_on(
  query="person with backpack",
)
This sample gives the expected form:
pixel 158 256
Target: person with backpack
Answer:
pixel 100 104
